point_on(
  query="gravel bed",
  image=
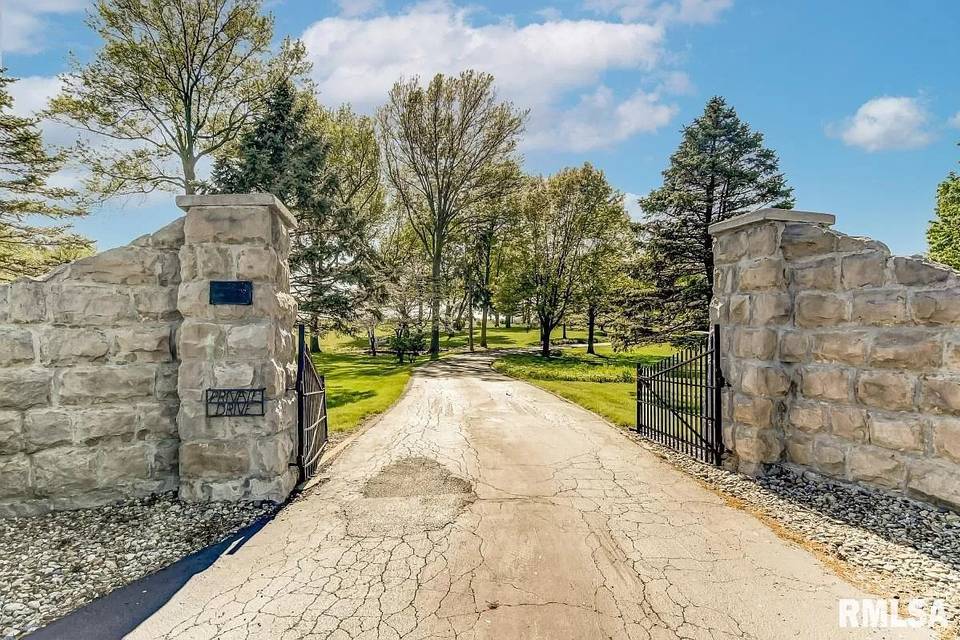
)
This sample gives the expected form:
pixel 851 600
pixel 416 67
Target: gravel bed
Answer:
pixel 896 547
pixel 54 563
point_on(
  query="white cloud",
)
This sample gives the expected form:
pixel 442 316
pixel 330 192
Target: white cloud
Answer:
pixel 688 11
pixel 632 206
pixel 536 65
pixel 888 122
pixel 24 22
pixel 599 120
pixel 354 8
pixel 954 120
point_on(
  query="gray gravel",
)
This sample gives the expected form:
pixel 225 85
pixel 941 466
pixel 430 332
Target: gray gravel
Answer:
pixel 55 563
pixel 896 546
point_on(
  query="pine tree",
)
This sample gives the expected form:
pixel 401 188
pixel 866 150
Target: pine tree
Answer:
pixel 720 169
pixel 943 234
pixel 285 154
pixel 26 248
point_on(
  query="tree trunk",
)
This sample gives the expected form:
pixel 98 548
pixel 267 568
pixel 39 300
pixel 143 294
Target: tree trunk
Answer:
pixel 372 339
pixel 545 339
pixel 496 319
pixel 508 320
pixel 314 336
pixel 483 327
pixel 435 304
pixel 189 175
pixel 591 321
pixel 564 330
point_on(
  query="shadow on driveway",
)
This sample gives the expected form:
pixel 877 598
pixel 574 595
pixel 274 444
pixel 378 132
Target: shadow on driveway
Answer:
pixel 116 614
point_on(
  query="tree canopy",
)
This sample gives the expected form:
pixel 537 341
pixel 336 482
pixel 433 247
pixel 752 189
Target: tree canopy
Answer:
pixel 943 234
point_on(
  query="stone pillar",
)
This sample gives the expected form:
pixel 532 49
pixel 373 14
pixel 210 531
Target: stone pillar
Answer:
pixel 243 237
pixel 753 303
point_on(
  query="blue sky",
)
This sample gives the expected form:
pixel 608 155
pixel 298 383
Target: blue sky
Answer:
pixel 859 98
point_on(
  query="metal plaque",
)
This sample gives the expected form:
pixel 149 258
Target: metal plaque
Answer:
pixel 231 292
pixel 234 402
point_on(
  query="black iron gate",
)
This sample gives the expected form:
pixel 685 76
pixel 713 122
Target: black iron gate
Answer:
pixel 679 401
pixel 311 411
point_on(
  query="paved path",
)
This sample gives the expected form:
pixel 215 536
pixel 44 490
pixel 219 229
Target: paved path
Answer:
pixel 482 507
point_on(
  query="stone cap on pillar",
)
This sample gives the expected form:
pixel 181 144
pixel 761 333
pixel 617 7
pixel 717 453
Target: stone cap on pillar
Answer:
pixel 239 200
pixel 775 215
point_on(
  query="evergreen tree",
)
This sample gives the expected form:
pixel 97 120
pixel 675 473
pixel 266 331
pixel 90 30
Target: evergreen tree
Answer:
pixel 27 249
pixel 720 169
pixel 285 154
pixel 943 234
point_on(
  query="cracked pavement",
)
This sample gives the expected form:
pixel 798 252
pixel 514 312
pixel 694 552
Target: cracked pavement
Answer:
pixel 483 507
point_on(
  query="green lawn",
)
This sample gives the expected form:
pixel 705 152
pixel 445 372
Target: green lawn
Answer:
pixel 603 383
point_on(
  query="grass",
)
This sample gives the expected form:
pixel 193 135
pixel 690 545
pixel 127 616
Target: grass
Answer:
pixel 497 338
pixel 603 383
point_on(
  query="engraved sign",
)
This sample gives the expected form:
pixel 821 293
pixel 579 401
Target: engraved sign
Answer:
pixel 234 402
pixel 231 292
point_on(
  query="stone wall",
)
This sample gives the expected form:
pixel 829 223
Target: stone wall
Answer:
pixel 104 364
pixel 839 357
pixel 88 397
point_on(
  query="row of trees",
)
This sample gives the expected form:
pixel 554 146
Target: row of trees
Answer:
pixel 420 217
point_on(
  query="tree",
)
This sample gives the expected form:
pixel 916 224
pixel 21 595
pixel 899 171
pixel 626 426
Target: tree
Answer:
pixel 446 147
pixel 331 255
pixel 603 275
pixel 563 221
pixel 175 81
pixel 720 169
pixel 26 248
pixel 943 234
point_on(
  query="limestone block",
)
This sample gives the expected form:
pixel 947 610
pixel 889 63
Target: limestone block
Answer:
pixel 124 265
pixel 143 344
pixel 235 375
pixel 804 240
pixel 229 225
pixel 849 423
pixel 719 311
pixel 901 433
pixel 951 353
pixel 45 428
pixel 758 445
pixel 946 437
pixel 92 425
pixel 750 410
pixel 218 458
pixel 16 346
pixel 156 303
pixel 807 416
pixel 23 388
pixel 274 378
pixel 877 466
pixel 886 390
pixel 250 340
pixel 863 270
pixel 940 307
pixel 274 489
pixel 4 304
pixel 794 346
pixel 885 307
pixel 11 432
pixel 124 464
pixel 60 345
pixel 799 449
pixel 906 350
pixel 167 381
pixel 258 264
pixel 164 460
pixel 931 480
pixel 825 383
pixel 841 347
pixel 757 344
pixel 193 301
pixel 729 247
pixel 212 490
pixel 270 456
pixel 93 385
pixel 940 395
pixel 209 262
pixel 820 310
pixel 820 274
pixel 14 476
pixel 90 305
pixel 764 380
pixel 829 457
pixel 764 274
pixel 201 340
pixel 913 272
pixel 739 309
pixel 64 469
pixel 158 419
pixel 27 301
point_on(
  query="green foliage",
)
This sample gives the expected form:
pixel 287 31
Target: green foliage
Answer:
pixel 406 343
pixel 577 365
pixel 943 234
pixel 284 153
pixel 720 169
pixel 26 248
pixel 447 147
pixel 174 81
